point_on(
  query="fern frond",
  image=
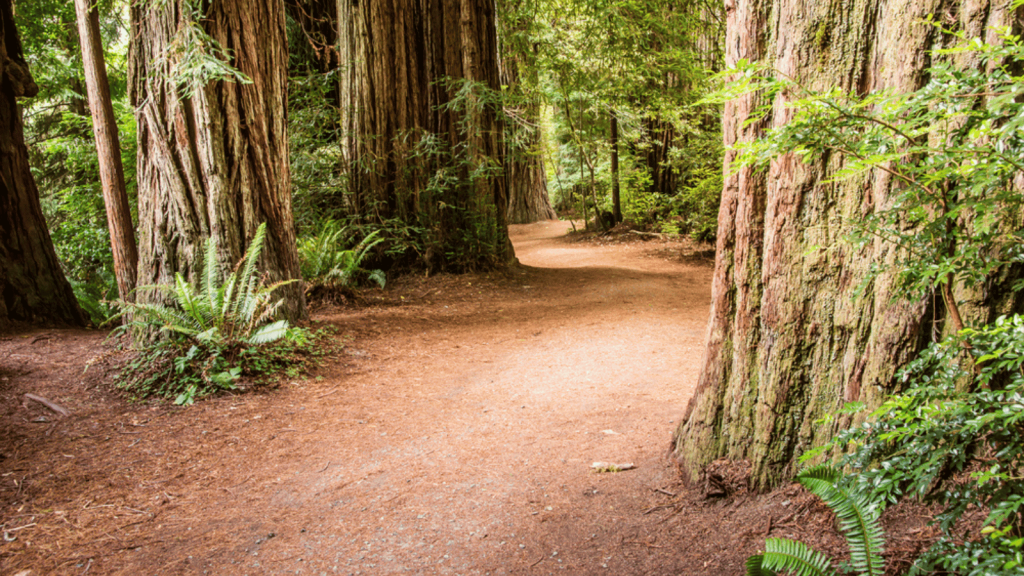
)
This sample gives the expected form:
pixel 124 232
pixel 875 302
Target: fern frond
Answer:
pixel 378 277
pixel 269 333
pixel 858 518
pixel 796 558
pixel 166 317
pixel 211 276
pixel 755 566
pixel 190 302
pixel 248 279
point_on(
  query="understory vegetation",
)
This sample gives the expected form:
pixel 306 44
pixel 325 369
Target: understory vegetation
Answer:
pixel 206 339
pixel 954 436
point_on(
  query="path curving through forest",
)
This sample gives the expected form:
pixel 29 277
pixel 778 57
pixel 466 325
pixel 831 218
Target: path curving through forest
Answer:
pixel 454 435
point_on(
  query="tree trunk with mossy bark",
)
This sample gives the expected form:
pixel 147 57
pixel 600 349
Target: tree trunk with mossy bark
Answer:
pixel 213 163
pixel 789 340
pixel 33 288
pixel 424 136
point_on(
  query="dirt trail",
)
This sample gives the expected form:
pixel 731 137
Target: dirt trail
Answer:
pixel 454 436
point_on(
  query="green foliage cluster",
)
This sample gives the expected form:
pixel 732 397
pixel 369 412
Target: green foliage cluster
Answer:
pixel 952 150
pixel 955 437
pixel 647 64
pixel 213 333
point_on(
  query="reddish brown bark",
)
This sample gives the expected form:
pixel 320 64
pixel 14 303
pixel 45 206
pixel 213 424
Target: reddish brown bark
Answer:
pixel 788 341
pixel 32 286
pixel 108 150
pixel 214 166
pixel 402 57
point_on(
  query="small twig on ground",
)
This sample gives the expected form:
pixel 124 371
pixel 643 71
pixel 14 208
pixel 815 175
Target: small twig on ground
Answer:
pixel 768 529
pixel 326 466
pixel 653 508
pixel 240 483
pixel 51 405
pixel 329 393
pixel 639 542
pixel 539 560
pixel 665 492
pixel 42 337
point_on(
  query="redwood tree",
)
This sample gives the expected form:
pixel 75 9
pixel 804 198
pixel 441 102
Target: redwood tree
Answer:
pixel 32 286
pixel 213 152
pixel 789 340
pixel 424 131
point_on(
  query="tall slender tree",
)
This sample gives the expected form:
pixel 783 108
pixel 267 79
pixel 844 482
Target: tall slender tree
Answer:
pixel 213 150
pixel 108 149
pixel 789 339
pixel 32 286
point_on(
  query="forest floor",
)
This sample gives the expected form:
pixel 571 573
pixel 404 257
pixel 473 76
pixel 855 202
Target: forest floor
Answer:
pixel 454 433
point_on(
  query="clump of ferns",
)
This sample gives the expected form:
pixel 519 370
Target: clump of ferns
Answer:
pixel 329 269
pixel 207 336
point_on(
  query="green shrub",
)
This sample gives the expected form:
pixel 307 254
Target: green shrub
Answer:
pixel 956 438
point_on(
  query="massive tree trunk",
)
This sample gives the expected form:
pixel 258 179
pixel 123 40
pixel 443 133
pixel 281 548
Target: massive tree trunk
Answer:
pixel 108 150
pixel 423 147
pixel 213 165
pixel 788 341
pixel 32 286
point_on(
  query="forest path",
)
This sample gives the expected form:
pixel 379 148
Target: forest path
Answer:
pixel 454 435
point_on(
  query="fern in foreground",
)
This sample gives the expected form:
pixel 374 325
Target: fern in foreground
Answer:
pixel 858 521
pixel 215 333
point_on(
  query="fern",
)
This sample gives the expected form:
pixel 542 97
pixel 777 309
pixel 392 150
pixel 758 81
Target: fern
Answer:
pixel 858 520
pixel 219 318
pixel 791 556
pixel 323 263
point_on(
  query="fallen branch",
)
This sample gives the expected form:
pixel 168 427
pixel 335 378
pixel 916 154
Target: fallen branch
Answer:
pixel 57 408
pixel 647 235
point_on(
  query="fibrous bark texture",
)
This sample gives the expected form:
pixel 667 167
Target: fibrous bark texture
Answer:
pixel 424 141
pixel 32 286
pixel 788 340
pixel 213 165
pixel 108 150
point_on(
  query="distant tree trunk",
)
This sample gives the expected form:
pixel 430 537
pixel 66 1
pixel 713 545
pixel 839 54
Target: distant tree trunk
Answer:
pixel 214 166
pixel 616 203
pixel 525 176
pixel 662 139
pixel 412 154
pixel 32 286
pixel 788 341
pixel 108 149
